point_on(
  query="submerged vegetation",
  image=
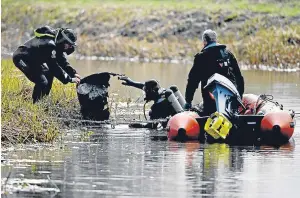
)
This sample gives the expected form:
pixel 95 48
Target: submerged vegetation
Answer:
pixel 258 32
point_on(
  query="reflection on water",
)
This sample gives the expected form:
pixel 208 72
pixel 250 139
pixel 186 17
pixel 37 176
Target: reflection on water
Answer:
pixel 131 162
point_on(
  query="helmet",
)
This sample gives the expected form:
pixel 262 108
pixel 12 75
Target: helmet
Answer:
pixel 151 88
pixel 66 36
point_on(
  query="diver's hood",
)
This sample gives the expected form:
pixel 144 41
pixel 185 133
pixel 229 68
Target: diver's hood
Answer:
pixel 151 89
pixel 45 31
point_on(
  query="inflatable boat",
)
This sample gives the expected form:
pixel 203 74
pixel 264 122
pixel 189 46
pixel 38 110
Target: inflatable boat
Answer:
pixel 252 120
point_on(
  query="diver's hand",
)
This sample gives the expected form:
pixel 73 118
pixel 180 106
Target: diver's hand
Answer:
pixel 126 80
pixel 187 106
pixel 75 80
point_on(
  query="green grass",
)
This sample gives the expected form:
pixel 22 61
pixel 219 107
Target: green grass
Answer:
pixel 268 47
pixel 271 47
pixel 287 8
pixel 24 122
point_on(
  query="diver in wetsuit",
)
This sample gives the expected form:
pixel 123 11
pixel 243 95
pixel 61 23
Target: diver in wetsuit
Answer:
pixel 165 102
pixel 42 58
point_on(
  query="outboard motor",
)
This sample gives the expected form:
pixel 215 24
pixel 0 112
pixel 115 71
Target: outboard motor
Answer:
pixel 228 100
pixel 92 94
pixel 225 94
pixel 178 95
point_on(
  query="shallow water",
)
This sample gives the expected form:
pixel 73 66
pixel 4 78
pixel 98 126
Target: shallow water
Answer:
pixel 125 162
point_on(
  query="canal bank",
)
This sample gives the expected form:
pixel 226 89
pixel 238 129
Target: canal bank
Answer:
pixel 258 33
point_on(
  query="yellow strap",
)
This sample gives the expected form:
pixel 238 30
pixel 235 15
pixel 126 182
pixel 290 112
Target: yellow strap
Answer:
pixel 40 35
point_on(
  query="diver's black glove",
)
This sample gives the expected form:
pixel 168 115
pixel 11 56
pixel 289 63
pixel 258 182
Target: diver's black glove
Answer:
pixel 126 80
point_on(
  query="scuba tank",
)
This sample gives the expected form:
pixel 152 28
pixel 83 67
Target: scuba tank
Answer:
pixel 170 96
pixel 178 95
pixel 165 102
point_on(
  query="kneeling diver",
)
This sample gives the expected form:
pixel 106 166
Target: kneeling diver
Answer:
pixel 43 57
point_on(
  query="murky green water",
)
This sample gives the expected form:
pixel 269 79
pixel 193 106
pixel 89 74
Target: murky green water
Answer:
pixel 125 162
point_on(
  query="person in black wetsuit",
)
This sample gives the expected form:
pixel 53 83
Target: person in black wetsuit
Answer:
pixel 213 58
pixel 164 103
pixel 42 58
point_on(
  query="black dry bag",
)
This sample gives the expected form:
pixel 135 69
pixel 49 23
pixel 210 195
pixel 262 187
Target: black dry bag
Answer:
pixel 92 95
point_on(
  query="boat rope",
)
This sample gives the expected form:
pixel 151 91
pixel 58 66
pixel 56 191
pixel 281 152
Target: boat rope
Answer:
pixel 264 98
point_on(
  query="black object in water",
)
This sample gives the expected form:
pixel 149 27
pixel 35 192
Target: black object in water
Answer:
pixel 93 94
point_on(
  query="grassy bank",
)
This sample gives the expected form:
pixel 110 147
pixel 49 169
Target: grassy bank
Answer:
pixel 258 32
pixel 278 7
pixel 267 47
pixel 23 122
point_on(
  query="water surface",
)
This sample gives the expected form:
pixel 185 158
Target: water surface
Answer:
pixel 125 162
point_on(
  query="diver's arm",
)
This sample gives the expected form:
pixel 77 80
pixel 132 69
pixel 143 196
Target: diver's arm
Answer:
pixel 193 80
pixel 65 65
pixel 58 72
pixel 127 81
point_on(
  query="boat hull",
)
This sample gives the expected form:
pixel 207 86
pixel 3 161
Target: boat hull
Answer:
pixel 269 126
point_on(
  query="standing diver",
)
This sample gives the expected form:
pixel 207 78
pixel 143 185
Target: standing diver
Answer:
pixel 42 58
pixel 167 102
pixel 213 58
